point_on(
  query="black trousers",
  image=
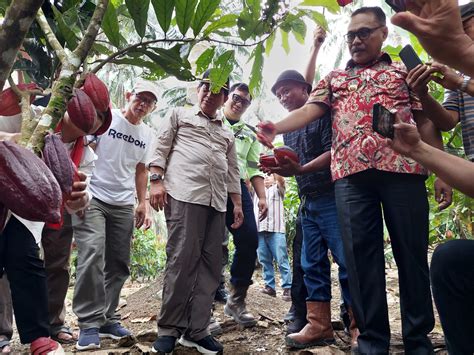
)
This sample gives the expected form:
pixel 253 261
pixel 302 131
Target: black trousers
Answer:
pixel 452 278
pixel 298 288
pixel 361 198
pixel 19 258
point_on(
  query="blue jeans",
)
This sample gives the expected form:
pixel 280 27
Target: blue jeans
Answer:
pixel 321 233
pixel 272 246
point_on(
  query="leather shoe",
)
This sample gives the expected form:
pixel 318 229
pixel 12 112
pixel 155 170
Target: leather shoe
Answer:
pixel 268 291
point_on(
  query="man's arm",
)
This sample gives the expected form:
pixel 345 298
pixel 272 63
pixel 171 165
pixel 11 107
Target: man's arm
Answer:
pixel 280 181
pixel 259 187
pixel 141 181
pixel 319 35
pixel 233 185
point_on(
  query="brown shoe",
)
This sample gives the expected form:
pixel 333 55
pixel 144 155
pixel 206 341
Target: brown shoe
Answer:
pixel 236 307
pixel 286 295
pixel 353 330
pixel 318 331
pixel 268 291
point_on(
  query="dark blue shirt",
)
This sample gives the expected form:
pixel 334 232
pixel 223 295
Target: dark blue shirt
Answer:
pixel 309 143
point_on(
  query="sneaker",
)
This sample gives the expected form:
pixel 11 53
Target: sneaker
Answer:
pixel 286 295
pixel 214 327
pixel 46 346
pixel 164 345
pixel 207 345
pixel 221 294
pixel 114 331
pixel 268 291
pixel 88 339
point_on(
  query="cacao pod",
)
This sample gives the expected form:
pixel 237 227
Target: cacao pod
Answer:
pixel 97 92
pixel 27 186
pixel 107 120
pixel 3 216
pixel 285 151
pixel 10 103
pixel 268 161
pixel 56 157
pixel 344 2
pixel 81 111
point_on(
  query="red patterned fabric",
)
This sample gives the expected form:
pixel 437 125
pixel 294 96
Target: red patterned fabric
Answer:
pixel 351 95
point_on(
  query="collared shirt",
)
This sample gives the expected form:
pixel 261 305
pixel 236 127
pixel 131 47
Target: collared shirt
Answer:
pixel 309 143
pixel 198 156
pixel 351 95
pixel 275 220
pixel 248 149
pixel 463 104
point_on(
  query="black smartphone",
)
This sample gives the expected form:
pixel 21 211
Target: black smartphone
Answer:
pixel 409 57
pixel 382 121
pixel 397 5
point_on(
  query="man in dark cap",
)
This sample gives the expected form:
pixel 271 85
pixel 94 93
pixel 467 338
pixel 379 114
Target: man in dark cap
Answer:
pixel 318 214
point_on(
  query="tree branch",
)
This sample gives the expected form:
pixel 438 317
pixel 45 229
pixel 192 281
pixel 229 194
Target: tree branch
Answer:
pixel 50 36
pixel 18 19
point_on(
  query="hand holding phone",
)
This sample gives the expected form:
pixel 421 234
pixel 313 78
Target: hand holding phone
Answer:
pixel 382 121
pixel 409 57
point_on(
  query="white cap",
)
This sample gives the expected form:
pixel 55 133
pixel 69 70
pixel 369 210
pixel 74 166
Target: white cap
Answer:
pixel 146 86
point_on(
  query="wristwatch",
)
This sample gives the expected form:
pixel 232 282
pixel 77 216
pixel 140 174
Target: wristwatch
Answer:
pixel 465 83
pixel 156 177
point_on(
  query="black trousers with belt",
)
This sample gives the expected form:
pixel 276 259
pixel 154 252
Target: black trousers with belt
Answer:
pixel 361 199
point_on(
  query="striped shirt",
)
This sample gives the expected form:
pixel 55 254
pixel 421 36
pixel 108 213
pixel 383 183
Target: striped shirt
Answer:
pixel 275 221
pixel 464 105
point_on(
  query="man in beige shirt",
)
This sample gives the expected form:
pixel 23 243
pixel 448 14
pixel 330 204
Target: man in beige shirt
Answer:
pixel 193 171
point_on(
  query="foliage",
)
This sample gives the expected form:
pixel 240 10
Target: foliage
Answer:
pixel 148 255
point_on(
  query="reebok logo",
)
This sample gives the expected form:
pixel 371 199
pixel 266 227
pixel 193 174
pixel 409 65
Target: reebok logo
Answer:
pixel 126 138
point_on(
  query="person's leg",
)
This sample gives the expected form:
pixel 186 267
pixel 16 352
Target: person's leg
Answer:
pixel 281 257
pixel 266 259
pixel 118 236
pixel 57 249
pixel 360 220
pixel 405 207
pixel 6 315
pixel 452 279
pixel 27 277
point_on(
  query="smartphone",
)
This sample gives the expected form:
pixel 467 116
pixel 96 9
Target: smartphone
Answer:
pixel 382 121
pixel 397 5
pixel 409 57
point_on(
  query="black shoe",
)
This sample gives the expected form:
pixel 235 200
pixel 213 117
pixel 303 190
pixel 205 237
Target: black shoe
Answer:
pixel 164 345
pixel 207 345
pixel 291 314
pixel 221 294
pixel 296 325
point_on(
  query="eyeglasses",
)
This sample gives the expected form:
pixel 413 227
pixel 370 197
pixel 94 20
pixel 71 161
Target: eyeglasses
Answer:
pixel 239 99
pixel 362 34
pixel 148 102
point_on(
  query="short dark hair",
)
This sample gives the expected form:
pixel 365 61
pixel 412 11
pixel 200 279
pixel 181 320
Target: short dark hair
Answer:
pixel 242 87
pixel 374 10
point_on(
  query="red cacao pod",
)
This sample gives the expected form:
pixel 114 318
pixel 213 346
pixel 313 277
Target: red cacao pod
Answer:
pixel 268 161
pixel 27 186
pixel 81 111
pixel 285 151
pixel 10 103
pixel 97 92
pixel 57 158
pixel 344 2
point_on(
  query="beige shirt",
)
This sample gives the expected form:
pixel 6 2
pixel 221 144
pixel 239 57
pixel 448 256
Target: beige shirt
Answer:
pixel 198 156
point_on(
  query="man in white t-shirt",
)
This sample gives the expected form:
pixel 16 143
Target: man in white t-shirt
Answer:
pixel 103 238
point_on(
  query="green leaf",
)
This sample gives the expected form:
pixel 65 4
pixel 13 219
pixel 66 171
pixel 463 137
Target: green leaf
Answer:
pixel 139 12
pixel 184 14
pixel 203 13
pixel 298 27
pixel 171 61
pixel 331 5
pixel 225 21
pixel 269 43
pixel 203 61
pixel 164 12
pixel 318 18
pixel 110 25
pixel 68 35
pixel 142 63
pixel 256 77
pixel 221 71
pixel 284 41
pixel 101 49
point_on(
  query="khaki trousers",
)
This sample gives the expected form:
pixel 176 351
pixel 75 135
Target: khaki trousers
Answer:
pixel 193 268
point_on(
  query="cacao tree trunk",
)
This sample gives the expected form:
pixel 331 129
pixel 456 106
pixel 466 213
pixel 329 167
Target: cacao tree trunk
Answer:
pixel 18 18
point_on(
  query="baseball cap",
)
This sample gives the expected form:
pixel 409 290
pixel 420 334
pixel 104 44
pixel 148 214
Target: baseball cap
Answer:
pixel 205 79
pixel 146 86
pixel 290 75
pixel 467 11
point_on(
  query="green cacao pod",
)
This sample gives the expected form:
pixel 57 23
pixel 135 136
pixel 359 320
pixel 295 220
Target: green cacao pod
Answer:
pixel 27 187
pixel 97 92
pixel 81 111
pixel 57 158
pixel 10 102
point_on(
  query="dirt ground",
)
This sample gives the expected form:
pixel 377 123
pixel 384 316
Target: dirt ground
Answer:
pixel 141 303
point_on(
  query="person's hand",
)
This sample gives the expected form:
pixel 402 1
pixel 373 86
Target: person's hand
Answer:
pixel 266 132
pixel 288 167
pixel 78 198
pixel 262 208
pixel 148 218
pixel 238 217
pixel 443 194
pixel 406 137
pixel 419 77
pixel 450 80
pixel 319 36
pixel 12 137
pixel 158 195
pixel 140 214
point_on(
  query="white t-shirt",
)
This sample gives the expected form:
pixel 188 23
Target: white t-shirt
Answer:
pixel 119 150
